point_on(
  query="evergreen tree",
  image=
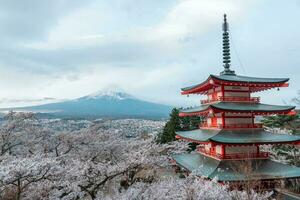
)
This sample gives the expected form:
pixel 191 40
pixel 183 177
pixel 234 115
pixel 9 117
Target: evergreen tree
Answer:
pixel 168 133
pixel 282 121
pixel 177 123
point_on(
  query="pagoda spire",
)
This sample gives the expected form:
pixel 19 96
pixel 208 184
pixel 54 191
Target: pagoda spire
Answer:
pixel 226 49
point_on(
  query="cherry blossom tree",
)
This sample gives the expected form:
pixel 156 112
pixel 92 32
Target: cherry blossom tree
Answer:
pixel 101 159
pixel 18 175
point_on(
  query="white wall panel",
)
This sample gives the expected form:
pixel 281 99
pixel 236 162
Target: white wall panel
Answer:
pixel 236 94
pixel 236 88
pixel 238 121
pixel 240 149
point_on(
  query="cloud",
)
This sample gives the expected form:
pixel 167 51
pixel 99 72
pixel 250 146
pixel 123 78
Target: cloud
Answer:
pixel 150 48
pixel 32 19
pixel 82 38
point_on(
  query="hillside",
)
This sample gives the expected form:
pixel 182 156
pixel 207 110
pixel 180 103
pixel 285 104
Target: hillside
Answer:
pixel 109 104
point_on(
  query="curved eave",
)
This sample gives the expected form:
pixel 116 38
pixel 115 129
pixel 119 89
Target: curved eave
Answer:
pixel 242 136
pixel 257 109
pixel 250 107
pixel 255 84
pixel 225 170
pixel 199 88
pixel 200 110
pixel 270 139
pixel 198 135
pixel 251 80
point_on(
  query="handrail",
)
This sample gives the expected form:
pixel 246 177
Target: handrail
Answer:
pixel 232 126
pixel 235 155
pixel 232 99
pixel 256 125
pixel 246 155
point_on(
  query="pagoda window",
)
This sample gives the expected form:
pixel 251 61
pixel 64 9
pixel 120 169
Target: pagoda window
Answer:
pixel 236 88
pixel 236 94
pixel 219 149
pixel 230 121
pixel 241 149
pixel 237 114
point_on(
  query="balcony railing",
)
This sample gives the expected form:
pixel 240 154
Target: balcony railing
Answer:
pixel 231 126
pixel 234 155
pixel 246 155
pixel 203 150
pixel 232 99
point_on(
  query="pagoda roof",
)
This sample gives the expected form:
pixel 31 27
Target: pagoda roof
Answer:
pixel 228 170
pixel 248 79
pixel 237 136
pixel 256 83
pixel 257 108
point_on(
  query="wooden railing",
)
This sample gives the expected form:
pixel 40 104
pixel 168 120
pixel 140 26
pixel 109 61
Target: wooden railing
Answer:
pixel 245 155
pixel 232 99
pixel 234 155
pixel 231 126
pixel 203 150
pixel 234 126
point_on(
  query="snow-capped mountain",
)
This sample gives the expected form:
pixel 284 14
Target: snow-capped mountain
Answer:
pixel 113 104
pixel 109 94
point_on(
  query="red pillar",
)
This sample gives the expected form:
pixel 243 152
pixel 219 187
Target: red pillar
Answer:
pixel 223 93
pixel 212 149
pixel 249 94
pixel 223 151
pixel 223 119
pixel 252 115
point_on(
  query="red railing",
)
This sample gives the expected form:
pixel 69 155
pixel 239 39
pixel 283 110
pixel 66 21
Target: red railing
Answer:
pixel 232 99
pixel 241 99
pixel 205 125
pixel 246 155
pixel 234 155
pixel 203 150
pixel 232 126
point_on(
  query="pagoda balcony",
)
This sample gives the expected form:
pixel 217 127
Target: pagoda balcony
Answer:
pixel 204 125
pixel 230 126
pixel 237 126
pixel 232 99
pixel 234 156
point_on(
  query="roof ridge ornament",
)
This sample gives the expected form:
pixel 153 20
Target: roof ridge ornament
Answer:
pixel 226 49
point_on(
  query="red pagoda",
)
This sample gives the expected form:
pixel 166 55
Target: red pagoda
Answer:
pixel 230 134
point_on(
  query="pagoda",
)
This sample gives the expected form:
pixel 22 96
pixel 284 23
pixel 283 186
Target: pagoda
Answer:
pixel 229 135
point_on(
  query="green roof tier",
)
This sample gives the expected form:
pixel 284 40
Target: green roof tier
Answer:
pixel 201 135
pixel 255 83
pixel 237 136
pixel 248 79
pixel 256 108
pixel 230 170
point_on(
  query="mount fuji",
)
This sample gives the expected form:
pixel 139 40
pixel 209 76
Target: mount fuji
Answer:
pixel 109 104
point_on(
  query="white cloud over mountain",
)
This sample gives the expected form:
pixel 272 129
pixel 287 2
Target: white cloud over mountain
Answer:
pixel 65 49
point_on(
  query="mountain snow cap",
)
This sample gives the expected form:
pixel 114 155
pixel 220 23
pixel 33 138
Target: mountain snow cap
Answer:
pixel 110 94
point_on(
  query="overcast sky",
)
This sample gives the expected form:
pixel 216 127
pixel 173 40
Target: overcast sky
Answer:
pixel 65 49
